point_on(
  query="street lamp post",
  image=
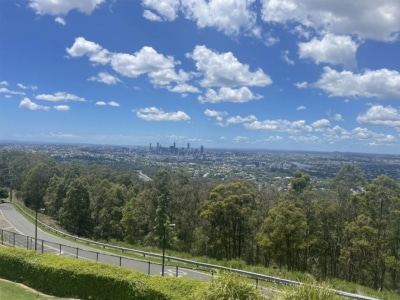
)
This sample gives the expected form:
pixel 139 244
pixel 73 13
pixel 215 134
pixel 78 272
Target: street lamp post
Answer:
pixel 36 226
pixel 163 249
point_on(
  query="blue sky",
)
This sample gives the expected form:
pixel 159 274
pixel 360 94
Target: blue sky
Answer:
pixel 262 74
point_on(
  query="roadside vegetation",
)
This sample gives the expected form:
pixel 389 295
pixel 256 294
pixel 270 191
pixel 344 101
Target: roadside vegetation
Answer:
pixel 347 234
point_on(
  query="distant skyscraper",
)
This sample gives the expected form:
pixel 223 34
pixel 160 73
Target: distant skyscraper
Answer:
pixel 202 150
pixel 188 146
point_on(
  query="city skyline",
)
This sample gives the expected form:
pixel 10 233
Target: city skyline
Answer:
pixel 265 74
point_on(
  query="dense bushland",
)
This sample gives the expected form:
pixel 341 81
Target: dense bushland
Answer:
pixel 350 231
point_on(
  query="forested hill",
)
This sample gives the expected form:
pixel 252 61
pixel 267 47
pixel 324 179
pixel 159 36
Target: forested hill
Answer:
pixel 349 230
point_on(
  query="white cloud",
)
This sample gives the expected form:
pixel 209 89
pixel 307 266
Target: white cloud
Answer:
pixel 225 70
pixel 383 83
pixel 295 127
pixel 239 138
pixel 156 114
pixel 225 94
pixel 21 86
pixel 113 103
pixel 147 14
pixel 25 87
pixel 55 8
pixel 305 139
pixel 332 49
pixel 4 83
pixel 184 88
pixel 105 77
pixel 59 96
pixel 144 61
pixel 367 19
pixel 301 107
pixel 29 105
pixel 270 40
pixel 301 85
pixel 379 115
pixel 239 119
pixel 62 107
pixel 64 135
pixel 285 57
pixel 95 52
pixel 338 117
pixel 270 139
pixel 338 134
pixel 60 21
pixel 218 115
pixel 321 125
pixel 7 91
pixel 167 10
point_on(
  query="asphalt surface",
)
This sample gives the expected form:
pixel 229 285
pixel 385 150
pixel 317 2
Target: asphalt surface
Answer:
pixel 12 221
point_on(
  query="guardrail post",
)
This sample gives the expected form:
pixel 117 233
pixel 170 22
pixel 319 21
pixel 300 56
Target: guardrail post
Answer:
pixel 97 256
pixel 2 237
pixel 77 252
pixel 176 271
pixel 148 272
pixel 120 261
pixel 256 283
pixel 42 246
pixel 60 249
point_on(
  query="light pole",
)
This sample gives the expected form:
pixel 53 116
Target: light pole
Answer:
pixel 163 249
pixel 36 211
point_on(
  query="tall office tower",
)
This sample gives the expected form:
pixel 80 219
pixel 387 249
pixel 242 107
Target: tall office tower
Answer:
pixel 202 150
pixel 150 147
pixel 174 145
pixel 188 146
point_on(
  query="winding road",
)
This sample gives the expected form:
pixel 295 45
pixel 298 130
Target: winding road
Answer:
pixel 12 221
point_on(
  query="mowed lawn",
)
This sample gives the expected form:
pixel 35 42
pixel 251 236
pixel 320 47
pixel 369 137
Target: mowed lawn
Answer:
pixel 13 291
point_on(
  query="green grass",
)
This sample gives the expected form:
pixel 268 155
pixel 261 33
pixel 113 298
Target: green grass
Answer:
pixel 12 291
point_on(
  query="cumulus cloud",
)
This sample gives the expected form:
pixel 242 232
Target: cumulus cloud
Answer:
pixel 338 117
pixel 26 103
pixel 164 10
pixel 367 19
pixel 55 8
pixel 95 52
pixel 379 115
pixel 25 87
pixel 113 103
pixel 60 21
pixel 105 77
pixel 62 107
pixel 229 17
pixel 239 138
pixel 63 135
pixel 7 91
pixel 301 107
pixel 59 96
pixel 184 88
pixel 156 114
pixel 332 49
pixel 225 94
pixel 382 84
pixel 301 85
pixel 225 70
pixel 285 57
pixel 158 67
pixel 339 134
pixel 321 125
pixel 295 127
pixel 218 115
pixel 239 119
pixel 4 83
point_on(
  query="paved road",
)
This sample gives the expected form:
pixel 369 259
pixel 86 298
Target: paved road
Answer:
pixel 11 220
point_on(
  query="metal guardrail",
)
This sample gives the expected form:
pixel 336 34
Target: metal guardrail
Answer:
pixel 251 275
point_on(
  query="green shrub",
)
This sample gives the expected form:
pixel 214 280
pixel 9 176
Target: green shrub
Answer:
pixel 229 286
pixel 66 277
